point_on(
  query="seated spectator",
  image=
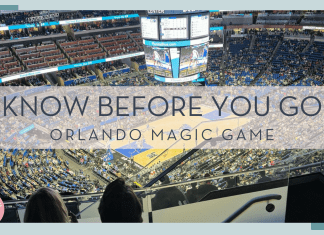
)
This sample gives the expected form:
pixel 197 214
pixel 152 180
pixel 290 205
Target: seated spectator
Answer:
pixel 119 204
pixel 46 206
pixel 192 193
pixel 205 188
pixel 263 178
pixel 230 181
pixel 167 197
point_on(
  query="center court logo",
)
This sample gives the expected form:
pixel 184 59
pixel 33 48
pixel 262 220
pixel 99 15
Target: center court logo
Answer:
pixel 1 209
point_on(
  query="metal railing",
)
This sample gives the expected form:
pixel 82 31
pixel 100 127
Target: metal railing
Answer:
pixel 93 198
pixel 153 188
pixel 250 203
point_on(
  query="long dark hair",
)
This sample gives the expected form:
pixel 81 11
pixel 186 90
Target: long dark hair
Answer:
pixel 46 206
pixel 119 204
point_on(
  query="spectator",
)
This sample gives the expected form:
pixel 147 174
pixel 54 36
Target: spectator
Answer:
pixel 119 204
pixel 230 181
pixel 192 193
pixel 263 178
pixel 167 197
pixel 46 206
pixel 205 188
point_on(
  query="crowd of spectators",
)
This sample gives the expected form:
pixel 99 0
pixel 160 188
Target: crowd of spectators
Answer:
pixel 22 172
pixel 17 17
pixel 256 58
pixel 269 58
pixel 37 17
pixel 250 56
pixel 204 163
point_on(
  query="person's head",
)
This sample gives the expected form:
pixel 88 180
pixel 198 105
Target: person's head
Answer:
pixel 46 206
pixel 207 175
pixel 120 204
pixel 165 180
pixel 193 185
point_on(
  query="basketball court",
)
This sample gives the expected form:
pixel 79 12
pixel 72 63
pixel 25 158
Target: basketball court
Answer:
pixel 146 149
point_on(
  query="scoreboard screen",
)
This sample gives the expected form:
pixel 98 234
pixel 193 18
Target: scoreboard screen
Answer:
pixel 199 26
pixel 158 60
pixel 193 59
pixel 173 28
pixel 149 26
pixel 176 43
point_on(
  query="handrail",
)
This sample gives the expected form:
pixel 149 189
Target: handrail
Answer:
pixel 214 178
pixel 64 197
pixel 250 203
pixel 185 183
pixel 230 175
pixel 306 166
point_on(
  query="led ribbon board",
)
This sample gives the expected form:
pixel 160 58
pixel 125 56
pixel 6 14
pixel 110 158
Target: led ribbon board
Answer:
pixel 65 22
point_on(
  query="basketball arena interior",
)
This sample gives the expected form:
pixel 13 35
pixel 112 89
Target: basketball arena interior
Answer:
pixel 171 49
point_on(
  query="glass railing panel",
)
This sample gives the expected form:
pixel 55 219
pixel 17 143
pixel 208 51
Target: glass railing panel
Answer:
pixel 167 195
pixel 316 164
pixel 88 209
pixel 306 162
pixel 206 163
pixel 207 171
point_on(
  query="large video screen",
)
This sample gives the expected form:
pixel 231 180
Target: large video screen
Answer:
pixel 173 28
pixel 158 60
pixel 193 59
pixel 199 26
pixel 149 27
